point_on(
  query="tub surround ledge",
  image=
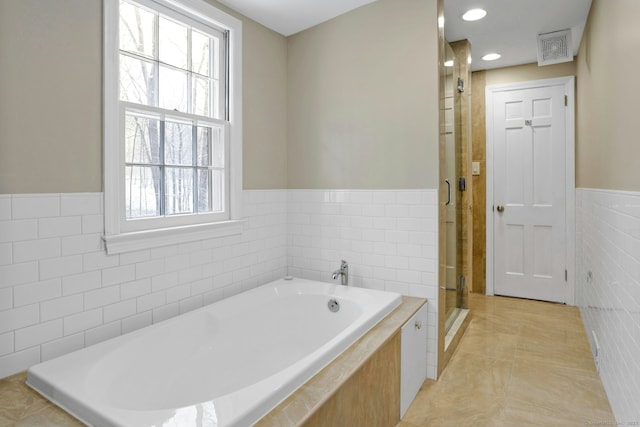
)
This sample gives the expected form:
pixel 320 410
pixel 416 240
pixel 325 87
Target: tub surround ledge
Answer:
pixel 328 394
pixel 305 406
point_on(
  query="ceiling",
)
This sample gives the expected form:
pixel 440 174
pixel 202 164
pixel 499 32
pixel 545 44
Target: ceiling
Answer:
pixel 288 17
pixel 510 27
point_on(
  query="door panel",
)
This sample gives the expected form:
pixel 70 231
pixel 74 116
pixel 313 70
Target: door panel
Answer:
pixel 515 167
pixel 514 240
pixel 529 182
pixel 542 158
pixel 542 250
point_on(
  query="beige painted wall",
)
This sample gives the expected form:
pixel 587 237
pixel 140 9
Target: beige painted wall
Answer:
pixel 51 103
pixel 264 107
pixel 527 72
pixel 50 96
pixel 607 101
pixel 363 99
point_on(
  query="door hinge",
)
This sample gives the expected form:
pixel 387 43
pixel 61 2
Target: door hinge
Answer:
pixel 566 100
pixel 463 282
pixel 566 275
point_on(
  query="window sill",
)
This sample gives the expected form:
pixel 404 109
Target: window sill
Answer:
pixel 139 240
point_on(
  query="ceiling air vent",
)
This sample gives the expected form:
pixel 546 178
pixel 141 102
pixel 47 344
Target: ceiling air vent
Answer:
pixel 555 47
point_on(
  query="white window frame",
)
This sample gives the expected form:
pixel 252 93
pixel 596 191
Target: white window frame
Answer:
pixel 119 236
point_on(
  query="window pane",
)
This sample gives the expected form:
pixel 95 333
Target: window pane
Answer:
pixel 173 89
pixel 201 96
pixel 217 196
pixel 217 145
pixel 137 30
pixel 204 190
pixel 200 56
pixel 216 57
pixel 178 190
pixel 173 43
pixel 218 102
pixel 142 140
pixel 137 81
pixel 204 146
pixel 210 147
pixel 142 191
pixel 178 144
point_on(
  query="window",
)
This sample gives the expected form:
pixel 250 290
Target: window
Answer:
pixel 172 125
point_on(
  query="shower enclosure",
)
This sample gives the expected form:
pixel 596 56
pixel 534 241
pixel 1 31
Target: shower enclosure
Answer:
pixel 455 183
pixel 454 197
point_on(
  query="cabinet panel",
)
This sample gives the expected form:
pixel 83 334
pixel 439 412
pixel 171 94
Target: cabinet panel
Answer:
pixel 413 357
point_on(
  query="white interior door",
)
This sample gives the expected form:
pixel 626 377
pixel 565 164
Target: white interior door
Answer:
pixel 529 193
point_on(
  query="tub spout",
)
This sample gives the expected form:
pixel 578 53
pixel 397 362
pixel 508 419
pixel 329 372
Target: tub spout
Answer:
pixel 343 272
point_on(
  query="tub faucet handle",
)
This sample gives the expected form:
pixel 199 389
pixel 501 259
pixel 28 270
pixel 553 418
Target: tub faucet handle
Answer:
pixel 343 272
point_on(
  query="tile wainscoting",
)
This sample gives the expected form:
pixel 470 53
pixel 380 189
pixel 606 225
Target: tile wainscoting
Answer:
pixel 608 291
pixel 389 238
pixel 60 292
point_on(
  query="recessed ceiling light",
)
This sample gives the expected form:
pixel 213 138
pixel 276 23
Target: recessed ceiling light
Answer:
pixel 474 14
pixel 448 63
pixel 491 57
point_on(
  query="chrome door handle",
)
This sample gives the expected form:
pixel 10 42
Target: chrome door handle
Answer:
pixel 448 192
pixel 500 208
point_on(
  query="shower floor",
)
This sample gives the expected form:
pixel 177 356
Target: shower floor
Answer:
pixel 455 326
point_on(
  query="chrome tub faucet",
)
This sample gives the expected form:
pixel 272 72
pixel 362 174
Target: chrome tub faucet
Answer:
pixel 343 272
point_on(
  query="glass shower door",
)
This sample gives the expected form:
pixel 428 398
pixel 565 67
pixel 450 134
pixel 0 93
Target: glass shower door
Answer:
pixel 452 169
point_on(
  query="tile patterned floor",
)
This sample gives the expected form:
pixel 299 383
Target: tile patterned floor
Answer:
pixel 520 363
pixel 22 407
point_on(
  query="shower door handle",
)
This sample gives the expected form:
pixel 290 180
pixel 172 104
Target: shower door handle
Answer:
pixel 448 192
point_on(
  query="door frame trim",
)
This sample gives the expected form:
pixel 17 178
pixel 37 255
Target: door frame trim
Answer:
pixel 570 203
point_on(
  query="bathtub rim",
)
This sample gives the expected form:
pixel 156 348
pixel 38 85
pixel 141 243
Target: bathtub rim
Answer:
pixel 72 406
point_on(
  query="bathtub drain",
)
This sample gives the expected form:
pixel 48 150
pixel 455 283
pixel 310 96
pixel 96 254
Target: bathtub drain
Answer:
pixel 333 305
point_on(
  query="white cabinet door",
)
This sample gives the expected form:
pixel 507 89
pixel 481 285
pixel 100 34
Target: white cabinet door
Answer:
pixel 413 358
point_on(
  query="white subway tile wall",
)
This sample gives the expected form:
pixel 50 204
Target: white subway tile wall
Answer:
pixel 608 290
pixel 389 238
pixel 60 292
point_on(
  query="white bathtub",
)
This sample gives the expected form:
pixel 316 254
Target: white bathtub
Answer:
pixel 227 364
